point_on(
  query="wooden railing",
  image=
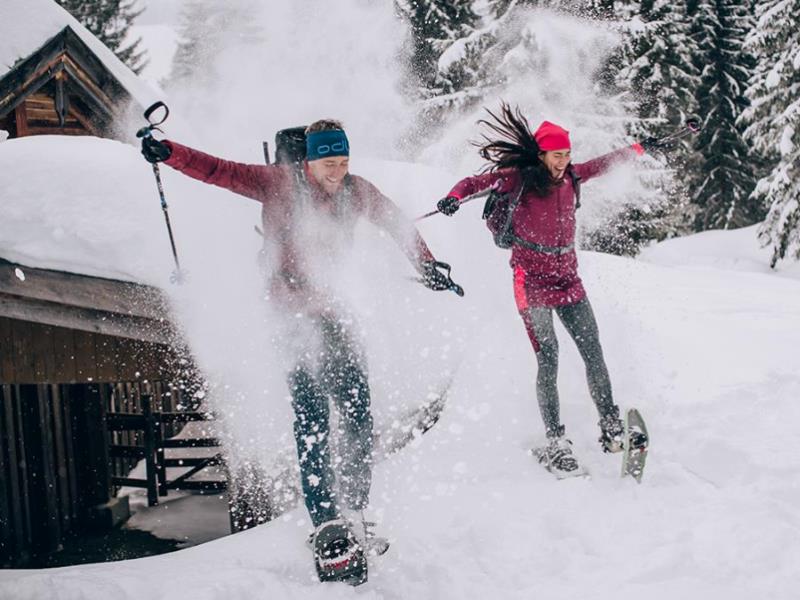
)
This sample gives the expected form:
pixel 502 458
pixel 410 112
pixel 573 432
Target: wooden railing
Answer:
pixel 154 444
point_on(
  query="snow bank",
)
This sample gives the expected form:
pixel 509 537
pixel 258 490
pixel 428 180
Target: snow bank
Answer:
pixel 709 357
pixel 736 250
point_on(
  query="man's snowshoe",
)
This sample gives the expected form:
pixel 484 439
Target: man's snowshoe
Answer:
pixel 635 445
pixel 557 458
pixel 363 530
pixel 337 554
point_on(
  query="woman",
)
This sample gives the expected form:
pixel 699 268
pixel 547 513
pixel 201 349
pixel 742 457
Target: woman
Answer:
pixel 534 175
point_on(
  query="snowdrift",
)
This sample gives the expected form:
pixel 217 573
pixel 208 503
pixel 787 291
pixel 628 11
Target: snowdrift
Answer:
pixel 708 353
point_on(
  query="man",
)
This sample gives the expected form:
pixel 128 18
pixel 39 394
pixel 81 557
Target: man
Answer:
pixel 309 213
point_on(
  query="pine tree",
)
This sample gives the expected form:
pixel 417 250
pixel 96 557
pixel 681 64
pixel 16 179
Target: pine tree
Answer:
pixel 206 27
pixel 435 25
pixel 198 40
pixel 724 178
pixel 656 68
pixel 773 122
pixel 653 76
pixel 110 21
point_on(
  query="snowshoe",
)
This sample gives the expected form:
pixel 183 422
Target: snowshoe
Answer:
pixel 636 443
pixel 558 459
pixel 363 531
pixel 337 554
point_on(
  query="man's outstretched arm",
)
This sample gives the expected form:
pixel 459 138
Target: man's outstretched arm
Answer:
pixel 260 182
pixel 385 214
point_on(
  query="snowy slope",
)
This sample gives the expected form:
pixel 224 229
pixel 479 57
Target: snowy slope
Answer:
pixel 697 333
pixel 707 352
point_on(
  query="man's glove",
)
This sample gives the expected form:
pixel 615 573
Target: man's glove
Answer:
pixel 434 279
pixel 154 150
pixel 448 206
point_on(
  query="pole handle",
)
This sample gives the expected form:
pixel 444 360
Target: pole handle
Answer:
pixel 153 108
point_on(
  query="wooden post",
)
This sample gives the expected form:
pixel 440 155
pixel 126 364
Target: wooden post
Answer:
pixel 60 459
pixel 21 119
pixel 45 529
pixel 14 519
pixel 20 489
pixel 69 452
pixel 150 449
pixel 161 467
pixel 90 442
pixel 48 468
pixel 7 545
pixel 61 99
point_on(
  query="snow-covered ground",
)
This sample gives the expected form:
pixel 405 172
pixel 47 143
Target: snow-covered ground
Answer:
pixel 698 334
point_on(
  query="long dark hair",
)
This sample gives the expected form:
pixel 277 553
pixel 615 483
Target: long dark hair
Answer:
pixel 516 148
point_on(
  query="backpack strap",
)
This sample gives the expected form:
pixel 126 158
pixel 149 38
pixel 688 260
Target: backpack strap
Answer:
pixel 505 237
pixel 576 186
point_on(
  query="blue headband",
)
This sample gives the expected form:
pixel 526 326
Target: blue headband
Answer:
pixel 322 144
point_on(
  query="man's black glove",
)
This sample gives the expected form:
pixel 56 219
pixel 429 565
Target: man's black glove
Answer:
pixel 154 151
pixel 434 279
pixel 448 206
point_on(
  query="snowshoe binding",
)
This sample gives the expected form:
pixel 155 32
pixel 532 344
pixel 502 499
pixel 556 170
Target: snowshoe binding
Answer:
pixel 337 554
pixel 612 431
pixel 364 533
pixel 557 457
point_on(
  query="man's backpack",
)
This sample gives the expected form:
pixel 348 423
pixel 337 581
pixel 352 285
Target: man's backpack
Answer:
pixel 290 146
pixel 498 211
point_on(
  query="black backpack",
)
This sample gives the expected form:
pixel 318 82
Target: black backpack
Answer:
pixel 290 146
pixel 498 212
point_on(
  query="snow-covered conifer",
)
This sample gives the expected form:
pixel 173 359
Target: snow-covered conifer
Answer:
pixel 435 25
pixel 723 177
pixel 206 27
pixel 656 66
pixel 653 75
pixel 110 21
pixel 773 122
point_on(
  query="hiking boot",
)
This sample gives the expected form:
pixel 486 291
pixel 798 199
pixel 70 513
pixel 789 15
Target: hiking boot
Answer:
pixel 612 432
pixel 557 458
pixel 364 533
pixel 337 554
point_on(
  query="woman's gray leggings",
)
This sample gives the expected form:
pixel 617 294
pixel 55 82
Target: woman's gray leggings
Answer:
pixel 579 321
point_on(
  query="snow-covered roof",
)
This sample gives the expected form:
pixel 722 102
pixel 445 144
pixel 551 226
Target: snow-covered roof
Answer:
pixel 28 24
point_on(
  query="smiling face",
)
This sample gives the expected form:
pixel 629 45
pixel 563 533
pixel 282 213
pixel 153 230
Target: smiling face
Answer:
pixel 556 161
pixel 329 172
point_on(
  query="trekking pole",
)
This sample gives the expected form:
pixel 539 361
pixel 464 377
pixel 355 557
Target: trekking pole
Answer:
pixel 480 194
pixel 691 126
pixel 177 276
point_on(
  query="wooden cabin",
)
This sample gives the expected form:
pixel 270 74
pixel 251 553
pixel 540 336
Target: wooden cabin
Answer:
pixel 62 88
pixel 80 356
pixel 73 350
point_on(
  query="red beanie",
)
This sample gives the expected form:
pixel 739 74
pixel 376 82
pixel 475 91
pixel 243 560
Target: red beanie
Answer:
pixel 550 136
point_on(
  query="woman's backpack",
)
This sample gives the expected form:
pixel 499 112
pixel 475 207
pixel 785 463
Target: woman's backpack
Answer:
pixel 498 211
